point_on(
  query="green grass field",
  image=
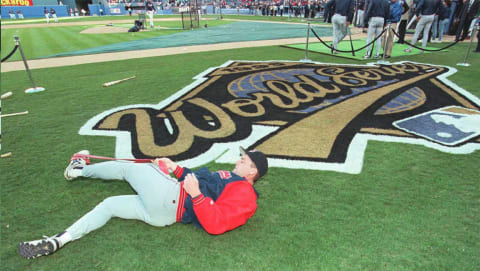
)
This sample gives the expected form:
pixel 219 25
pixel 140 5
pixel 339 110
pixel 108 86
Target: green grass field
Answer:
pixel 411 208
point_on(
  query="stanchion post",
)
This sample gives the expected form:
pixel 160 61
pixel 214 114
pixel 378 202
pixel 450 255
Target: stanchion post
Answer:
pixel 465 64
pixel 34 88
pixel 289 11
pixel 306 45
pixel 349 30
pixel 221 16
pixel 387 36
pixel 17 42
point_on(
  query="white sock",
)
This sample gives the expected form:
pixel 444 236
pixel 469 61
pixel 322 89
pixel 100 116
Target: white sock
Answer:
pixel 64 238
pixel 76 172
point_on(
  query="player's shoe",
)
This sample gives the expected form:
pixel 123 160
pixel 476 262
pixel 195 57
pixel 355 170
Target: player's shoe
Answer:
pixel 77 163
pixel 37 248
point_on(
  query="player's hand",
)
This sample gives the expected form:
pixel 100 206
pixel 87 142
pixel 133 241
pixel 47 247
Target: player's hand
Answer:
pixel 347 24
pixel 190 184
pixel 169 163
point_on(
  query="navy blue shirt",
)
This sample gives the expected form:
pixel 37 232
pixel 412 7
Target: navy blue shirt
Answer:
pixel 377 8
pixel 444 12
pixel 361 4
pixel 150 6
pixel 427 7
pixel 211 185
pixel 343 7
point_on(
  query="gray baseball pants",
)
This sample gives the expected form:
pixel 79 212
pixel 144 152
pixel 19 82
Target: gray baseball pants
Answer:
pixel 155 203
pixel 375 26
pixel 339 29
pixel 424 24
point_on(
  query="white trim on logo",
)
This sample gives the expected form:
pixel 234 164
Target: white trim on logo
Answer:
pixel 229 152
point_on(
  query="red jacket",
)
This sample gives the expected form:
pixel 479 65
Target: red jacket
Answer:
pixel 227 201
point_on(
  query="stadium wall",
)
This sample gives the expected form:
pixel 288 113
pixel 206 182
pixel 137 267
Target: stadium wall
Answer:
pixel 46 2
pixel 34 11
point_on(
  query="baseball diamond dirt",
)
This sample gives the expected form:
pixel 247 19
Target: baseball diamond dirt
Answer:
pixel 105 57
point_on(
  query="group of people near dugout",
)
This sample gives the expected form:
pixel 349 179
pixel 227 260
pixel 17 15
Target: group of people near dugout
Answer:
pixel 432 19
pixel 12 15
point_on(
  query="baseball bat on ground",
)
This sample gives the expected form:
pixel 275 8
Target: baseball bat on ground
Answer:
pixel 14 114
pixel 6 155
pixel 6 95
pixel 118 81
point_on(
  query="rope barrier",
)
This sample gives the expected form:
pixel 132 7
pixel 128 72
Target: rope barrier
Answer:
pixel 428 50
pixel 11 53
pixel 345 51
pixel 370 43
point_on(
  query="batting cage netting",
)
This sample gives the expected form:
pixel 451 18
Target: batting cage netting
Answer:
pixel 190 16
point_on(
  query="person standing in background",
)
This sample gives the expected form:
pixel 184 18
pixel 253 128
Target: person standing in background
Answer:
pixel 393 18
pixel 150 8
pixel 402 27
pixel 129 9
pixel 425 12
pixel 12 14
pixel 469 12
pixel 341 19
pixel 377 11
pixel 360 13
pixel 478 35
pixel 443 17
pixel 54 14
pixel 47 14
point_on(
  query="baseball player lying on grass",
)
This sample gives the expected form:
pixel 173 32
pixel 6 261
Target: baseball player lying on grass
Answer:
pixel 214 201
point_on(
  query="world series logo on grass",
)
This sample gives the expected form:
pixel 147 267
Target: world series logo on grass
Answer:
pixel 301 115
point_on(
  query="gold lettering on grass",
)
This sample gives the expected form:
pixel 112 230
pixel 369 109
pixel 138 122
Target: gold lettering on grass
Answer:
pixel 327 124
pixel 283 95
pixel 287 96
pixel 186 130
